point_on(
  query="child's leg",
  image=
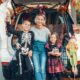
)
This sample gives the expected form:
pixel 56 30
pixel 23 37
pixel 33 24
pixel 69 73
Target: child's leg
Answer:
pixel 6 70
pixel 58 76
pixel 28 63
pixel 50 76
pixel 75 70
pixel 29 67
pixel 28 75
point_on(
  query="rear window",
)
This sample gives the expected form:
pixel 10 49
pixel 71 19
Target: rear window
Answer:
pixel 32 1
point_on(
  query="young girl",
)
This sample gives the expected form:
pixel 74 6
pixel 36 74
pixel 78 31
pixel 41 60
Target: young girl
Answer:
pixel 24 48
pixel 55 66
pixel 72 53
pixel 77 36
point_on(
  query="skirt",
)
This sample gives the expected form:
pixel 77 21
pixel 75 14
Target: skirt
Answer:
pixel 55 65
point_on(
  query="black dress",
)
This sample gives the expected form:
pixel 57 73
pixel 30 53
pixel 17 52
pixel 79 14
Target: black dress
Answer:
pixel 54 62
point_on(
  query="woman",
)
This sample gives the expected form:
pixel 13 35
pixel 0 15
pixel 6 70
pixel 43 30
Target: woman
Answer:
pixel 41 34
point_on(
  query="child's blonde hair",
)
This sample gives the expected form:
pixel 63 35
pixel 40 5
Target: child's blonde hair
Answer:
pixel 76 28
pixel 55 33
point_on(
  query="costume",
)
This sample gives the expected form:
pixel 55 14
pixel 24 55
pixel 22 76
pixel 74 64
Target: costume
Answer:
pixel 72 53
pixel 77 36
pixel 54 62
pixel 25 39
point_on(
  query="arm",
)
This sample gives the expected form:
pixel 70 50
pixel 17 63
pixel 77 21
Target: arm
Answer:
pixel 12 30
pixel 55 54
pixel 67 52
pixel 47 46
pixel 32 42
pixel 56 51
pixel 50 50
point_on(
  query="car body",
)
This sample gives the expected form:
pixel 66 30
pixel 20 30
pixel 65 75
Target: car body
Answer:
pixel 57 16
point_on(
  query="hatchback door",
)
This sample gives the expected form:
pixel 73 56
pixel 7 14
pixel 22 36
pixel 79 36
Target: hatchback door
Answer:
pixel 39 1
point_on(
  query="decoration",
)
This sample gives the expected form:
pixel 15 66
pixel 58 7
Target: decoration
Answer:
pixel 76 4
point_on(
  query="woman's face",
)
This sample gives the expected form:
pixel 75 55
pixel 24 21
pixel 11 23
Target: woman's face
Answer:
pixel 26 25
pixel 53 38
pixel 40 21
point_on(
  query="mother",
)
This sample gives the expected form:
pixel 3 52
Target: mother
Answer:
pixel 41 34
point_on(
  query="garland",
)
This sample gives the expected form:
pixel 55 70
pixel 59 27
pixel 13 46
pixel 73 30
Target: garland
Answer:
pixel 76 4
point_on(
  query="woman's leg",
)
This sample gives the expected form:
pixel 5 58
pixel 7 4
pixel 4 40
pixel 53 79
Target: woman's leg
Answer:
pixel 43 65
pixel 36 63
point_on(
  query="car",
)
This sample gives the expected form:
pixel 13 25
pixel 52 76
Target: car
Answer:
pixel 57 16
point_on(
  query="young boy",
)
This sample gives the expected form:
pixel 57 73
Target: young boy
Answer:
pixel 24 49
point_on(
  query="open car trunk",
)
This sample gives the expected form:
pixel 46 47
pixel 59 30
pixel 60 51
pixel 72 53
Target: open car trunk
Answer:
pixel 29 8
pixel 57 20
pixel 27 4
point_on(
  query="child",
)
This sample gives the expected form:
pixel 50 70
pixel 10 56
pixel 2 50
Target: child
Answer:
pixel 72 53
pixel 55 67
pixel 24 48
pixel 77 36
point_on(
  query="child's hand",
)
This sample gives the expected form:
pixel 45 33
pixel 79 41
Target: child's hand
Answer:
pixel 18 46
pixel 30 53
pixel 58 54
pixel 23 50
pixel 49 53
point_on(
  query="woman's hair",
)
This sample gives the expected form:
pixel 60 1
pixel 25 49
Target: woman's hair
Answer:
pixel 35 20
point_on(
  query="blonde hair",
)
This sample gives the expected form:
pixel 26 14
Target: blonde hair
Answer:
pixel 54 33
pixel 36 18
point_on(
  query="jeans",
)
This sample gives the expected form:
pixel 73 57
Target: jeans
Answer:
pixel 39 61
